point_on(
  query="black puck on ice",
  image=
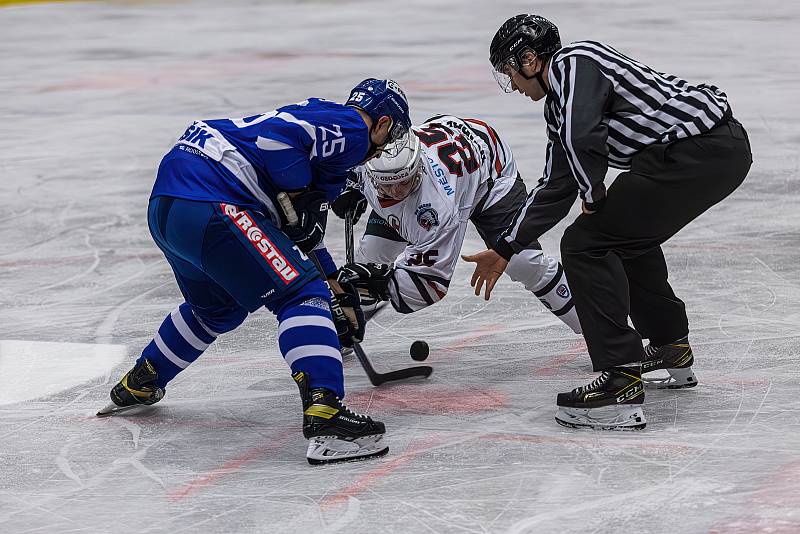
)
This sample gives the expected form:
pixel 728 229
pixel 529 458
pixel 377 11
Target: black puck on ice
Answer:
pixel 419 350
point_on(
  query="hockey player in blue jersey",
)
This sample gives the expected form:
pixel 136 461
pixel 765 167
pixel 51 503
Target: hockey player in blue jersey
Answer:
pixel 236 206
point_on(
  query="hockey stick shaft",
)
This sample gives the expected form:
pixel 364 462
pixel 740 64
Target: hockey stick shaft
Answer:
pixel 374 376
pixel 348 237
pixel 288 209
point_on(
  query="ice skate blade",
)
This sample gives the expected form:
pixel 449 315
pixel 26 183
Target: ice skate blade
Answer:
pixel 616 417
pixel 676 379
pixel 113 409
pixel 330 449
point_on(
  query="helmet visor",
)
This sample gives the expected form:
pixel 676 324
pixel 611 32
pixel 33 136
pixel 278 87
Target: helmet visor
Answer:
pixel 397 190
pixel 503 71
pixel 396 142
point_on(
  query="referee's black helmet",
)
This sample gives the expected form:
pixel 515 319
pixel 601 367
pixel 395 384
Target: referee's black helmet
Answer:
pixel 519 34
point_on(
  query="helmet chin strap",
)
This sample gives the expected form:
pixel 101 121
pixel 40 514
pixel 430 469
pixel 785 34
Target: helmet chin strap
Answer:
pixel 538 77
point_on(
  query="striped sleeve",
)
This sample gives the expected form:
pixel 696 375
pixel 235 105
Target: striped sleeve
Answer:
pixel 547 203
pixel 582 92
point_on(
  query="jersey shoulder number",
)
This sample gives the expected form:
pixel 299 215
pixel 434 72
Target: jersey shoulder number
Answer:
pixel 452 148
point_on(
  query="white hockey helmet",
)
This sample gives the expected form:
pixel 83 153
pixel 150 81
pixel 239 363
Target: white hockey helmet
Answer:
pixel 398 171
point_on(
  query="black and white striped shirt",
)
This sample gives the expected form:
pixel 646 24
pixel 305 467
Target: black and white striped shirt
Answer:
pixel 603 108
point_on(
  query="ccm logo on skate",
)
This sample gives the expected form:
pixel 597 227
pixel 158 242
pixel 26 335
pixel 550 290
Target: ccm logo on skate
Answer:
pixel 256 236
pixel 631 393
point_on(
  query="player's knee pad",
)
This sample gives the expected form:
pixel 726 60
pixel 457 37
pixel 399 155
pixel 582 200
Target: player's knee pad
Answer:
pixel 339 301
pixel 218 320
pixel 544 277
pixel 312 291
pixel 532 268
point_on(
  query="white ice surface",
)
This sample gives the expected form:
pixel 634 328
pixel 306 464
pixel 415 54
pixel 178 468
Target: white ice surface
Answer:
pixel 68 365
pixel 93 94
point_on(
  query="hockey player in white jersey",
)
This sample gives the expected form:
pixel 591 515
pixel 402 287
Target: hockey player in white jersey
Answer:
pixel 451 171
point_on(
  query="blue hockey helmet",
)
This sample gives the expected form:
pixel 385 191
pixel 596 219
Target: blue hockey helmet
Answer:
pixel 379 98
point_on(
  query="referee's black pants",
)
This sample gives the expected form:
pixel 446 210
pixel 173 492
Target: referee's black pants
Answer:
pixel 613 258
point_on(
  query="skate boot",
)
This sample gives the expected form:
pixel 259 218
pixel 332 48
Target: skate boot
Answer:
pixel 137 388
pixel 676 358
pixel 334 432
pixel 613 401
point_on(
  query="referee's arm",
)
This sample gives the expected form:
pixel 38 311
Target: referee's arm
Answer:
pixel 582 93
pixel 548 202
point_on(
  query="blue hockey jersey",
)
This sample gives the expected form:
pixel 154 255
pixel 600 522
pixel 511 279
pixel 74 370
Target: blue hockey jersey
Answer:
pixel 248 161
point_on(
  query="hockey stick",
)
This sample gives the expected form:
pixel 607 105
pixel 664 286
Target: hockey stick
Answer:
pixel 374 376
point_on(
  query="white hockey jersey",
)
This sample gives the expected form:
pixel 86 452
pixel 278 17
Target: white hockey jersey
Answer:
pixel 466 165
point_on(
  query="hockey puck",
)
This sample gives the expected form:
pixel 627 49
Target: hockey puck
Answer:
pixel 419 350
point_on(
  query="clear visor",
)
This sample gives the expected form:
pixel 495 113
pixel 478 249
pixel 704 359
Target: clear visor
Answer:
pixel 397 190
pixel 503 71
pixel 397 141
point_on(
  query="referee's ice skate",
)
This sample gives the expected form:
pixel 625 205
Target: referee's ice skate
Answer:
pixel 333 431
pixel 137 388
pixel 676 358
pixel 613 401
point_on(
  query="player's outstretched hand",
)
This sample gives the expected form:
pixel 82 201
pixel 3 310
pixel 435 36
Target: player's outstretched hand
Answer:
pixel 489 267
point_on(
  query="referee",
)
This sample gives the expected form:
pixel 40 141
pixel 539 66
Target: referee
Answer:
pixel 682 151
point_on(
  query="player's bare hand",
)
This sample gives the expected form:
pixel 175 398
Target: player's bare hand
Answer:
pixel 489 267
pixel 586 210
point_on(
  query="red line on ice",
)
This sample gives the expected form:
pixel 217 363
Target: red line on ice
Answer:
pixel 229 467
pixel 558 361
pixel 483 331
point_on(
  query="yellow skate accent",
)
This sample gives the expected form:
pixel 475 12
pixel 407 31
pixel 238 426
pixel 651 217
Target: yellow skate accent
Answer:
pixel 321 410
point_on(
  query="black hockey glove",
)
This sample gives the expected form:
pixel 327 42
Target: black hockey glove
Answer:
pixel 347 314
pixel 370 279
pixel 350 200
pixel 311 208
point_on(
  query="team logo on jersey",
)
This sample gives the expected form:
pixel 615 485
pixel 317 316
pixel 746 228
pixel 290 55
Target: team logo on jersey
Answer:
pixel 562 291
pixel 427 217
pixel 261 242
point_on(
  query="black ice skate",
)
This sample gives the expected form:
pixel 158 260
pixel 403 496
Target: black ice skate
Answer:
pixel 613 401
pixel 676 358
pixel 137 388
pixel 334 432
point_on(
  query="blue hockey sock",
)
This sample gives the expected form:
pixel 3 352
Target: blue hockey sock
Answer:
pixel 180 340
pixel 307 339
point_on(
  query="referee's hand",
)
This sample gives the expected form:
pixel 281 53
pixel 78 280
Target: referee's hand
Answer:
pixel 489 266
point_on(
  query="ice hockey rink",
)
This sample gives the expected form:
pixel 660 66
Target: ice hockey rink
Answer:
pixel 93 94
